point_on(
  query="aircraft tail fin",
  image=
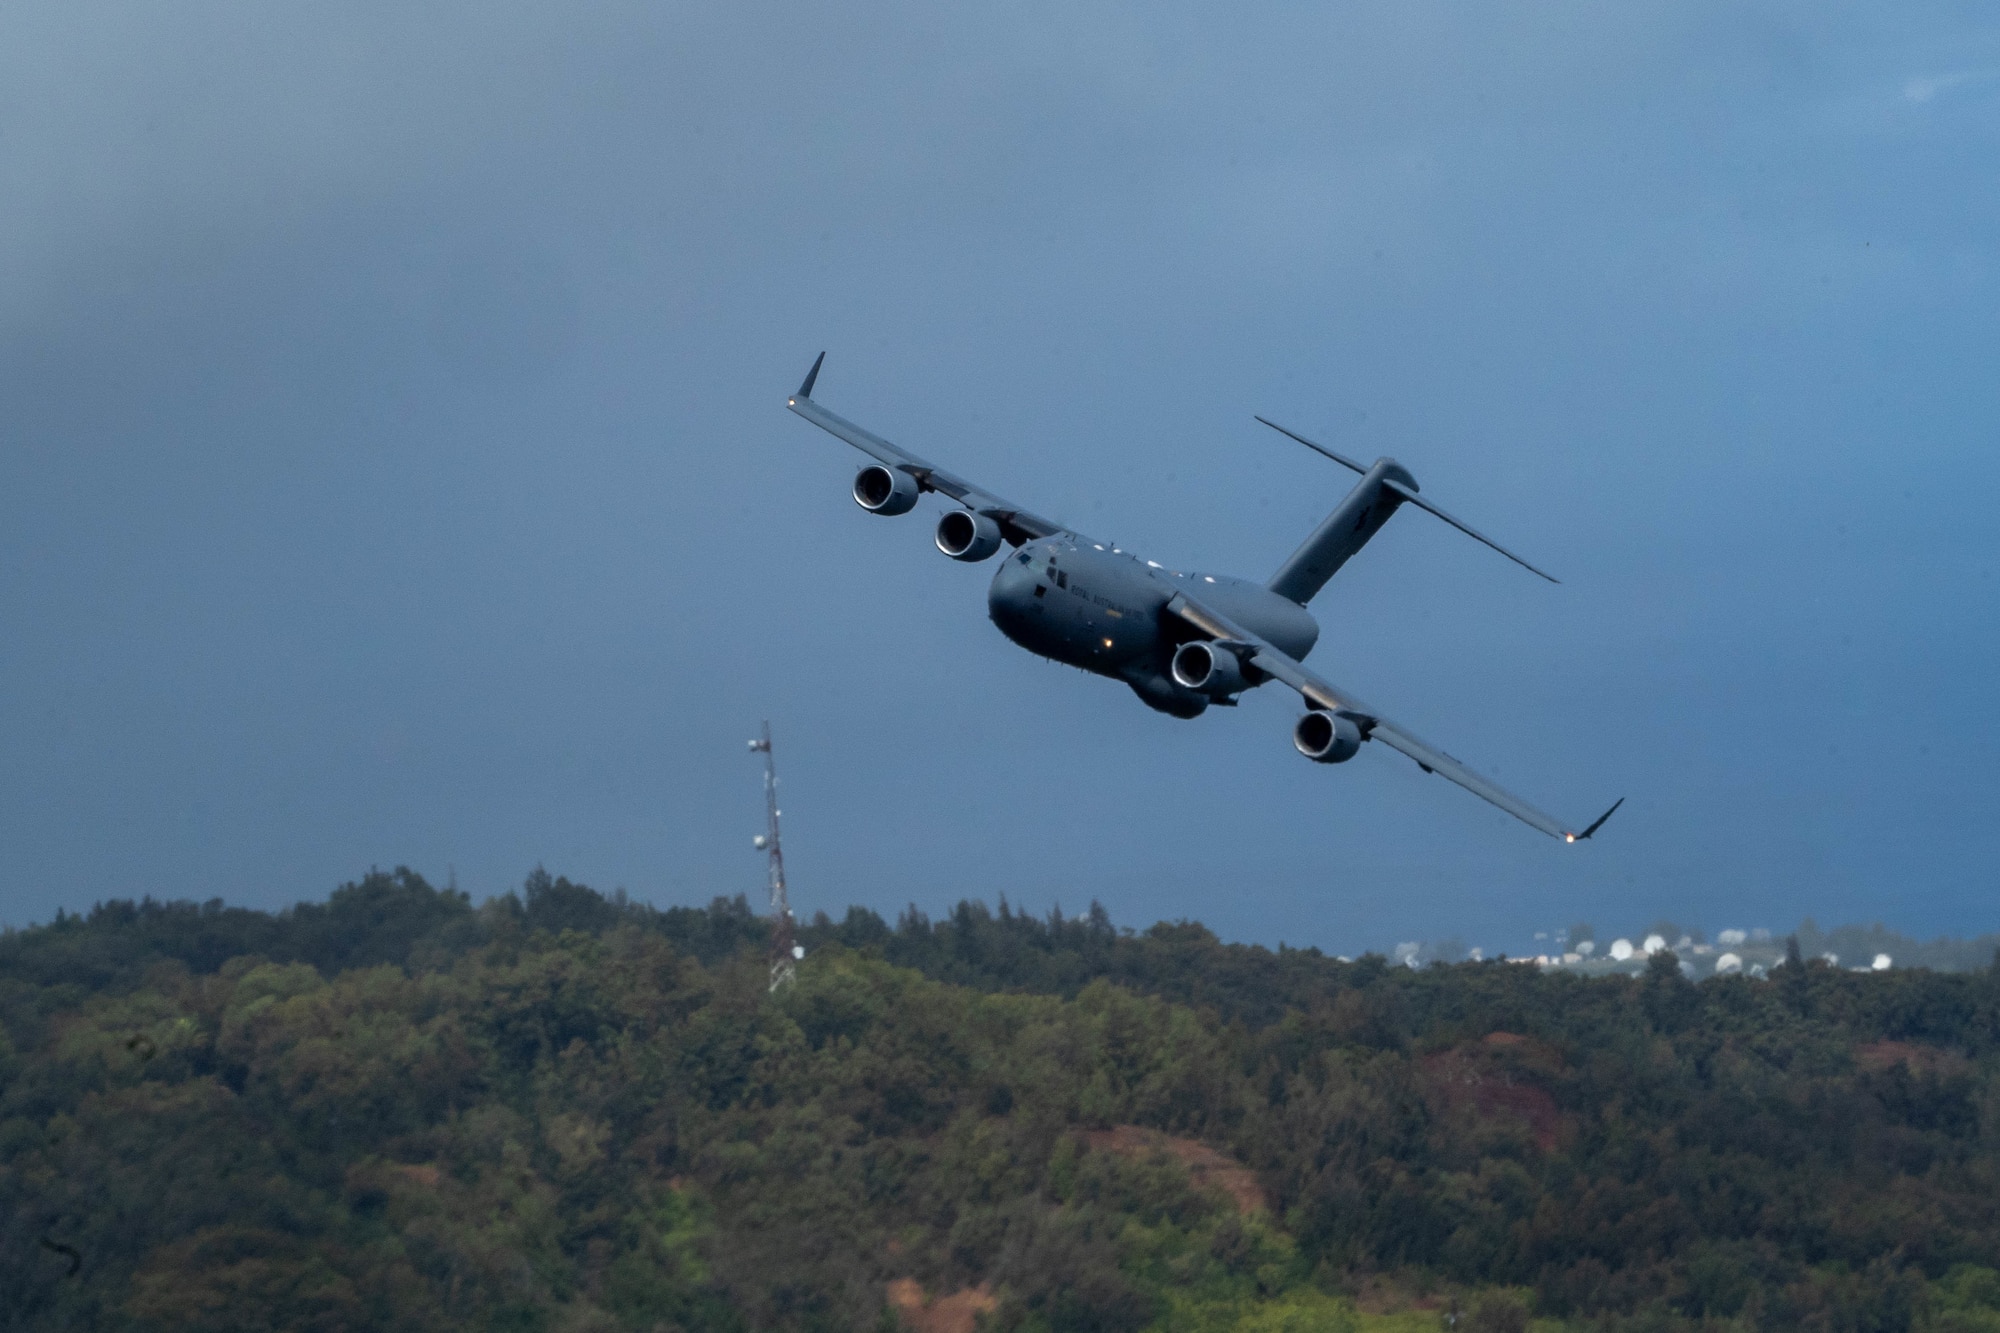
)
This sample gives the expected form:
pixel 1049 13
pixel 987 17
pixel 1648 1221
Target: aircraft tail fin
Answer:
pixel 1383 489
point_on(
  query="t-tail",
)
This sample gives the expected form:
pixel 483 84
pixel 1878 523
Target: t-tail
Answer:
pixel 1383 489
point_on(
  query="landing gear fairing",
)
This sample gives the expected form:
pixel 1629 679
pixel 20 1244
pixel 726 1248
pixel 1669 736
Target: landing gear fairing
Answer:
pixel 1182 642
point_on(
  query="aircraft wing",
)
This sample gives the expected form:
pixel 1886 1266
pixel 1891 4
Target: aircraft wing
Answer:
pixel 1267 660
pixel 1016 523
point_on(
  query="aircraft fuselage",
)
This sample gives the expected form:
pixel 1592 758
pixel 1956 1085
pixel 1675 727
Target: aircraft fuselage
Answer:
pixel 1099 608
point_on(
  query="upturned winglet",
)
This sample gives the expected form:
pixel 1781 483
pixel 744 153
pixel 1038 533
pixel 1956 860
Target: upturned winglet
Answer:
pixel 806 389
pixel 1596 825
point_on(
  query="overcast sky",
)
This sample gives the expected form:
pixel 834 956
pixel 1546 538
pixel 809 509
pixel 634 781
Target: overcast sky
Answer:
pixel 394 466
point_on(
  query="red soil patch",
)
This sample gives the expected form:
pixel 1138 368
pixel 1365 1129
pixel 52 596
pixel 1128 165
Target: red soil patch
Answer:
pixel 1204 1164
pixel 1877 1056
pixel 1493 1079
pixel 426 1176
pixel 956 1313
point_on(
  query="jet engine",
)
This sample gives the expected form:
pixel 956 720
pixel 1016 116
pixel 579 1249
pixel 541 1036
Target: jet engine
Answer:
pixel 885 490
pixel 1326 738
pixel 1213 671
pixel 964 535
pixel 1162 695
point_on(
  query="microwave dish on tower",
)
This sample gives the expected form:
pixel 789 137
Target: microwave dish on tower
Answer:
pixel 785 951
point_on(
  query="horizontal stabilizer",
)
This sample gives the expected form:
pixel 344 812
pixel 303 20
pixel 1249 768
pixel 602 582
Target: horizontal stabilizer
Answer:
pixel 1409 494
pixel 1406 492
pixel 1341 459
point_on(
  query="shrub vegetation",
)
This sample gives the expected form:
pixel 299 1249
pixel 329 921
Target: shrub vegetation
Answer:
pixel 562 1111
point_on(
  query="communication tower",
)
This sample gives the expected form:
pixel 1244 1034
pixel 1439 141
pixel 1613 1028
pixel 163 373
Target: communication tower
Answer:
pixel 785 952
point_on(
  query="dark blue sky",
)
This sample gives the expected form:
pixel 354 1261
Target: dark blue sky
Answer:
pixel 394 465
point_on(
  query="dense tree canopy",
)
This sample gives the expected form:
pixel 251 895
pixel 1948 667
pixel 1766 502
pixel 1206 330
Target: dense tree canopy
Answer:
pixel 558 1110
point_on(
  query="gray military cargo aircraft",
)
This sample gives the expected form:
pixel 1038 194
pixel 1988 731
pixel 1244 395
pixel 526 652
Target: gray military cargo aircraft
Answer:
pixel 1182 641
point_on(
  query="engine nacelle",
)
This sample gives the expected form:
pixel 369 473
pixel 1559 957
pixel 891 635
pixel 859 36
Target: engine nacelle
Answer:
pixel 886 490
pixel 1162 695
pixel 1326 738
pixel 964 535
pixel 1214 671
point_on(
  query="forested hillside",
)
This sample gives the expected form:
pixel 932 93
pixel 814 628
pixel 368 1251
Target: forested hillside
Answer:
pixel 559 1111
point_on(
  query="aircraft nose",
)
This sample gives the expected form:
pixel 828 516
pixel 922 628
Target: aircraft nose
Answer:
pixel 1008 596
pixel 1006 579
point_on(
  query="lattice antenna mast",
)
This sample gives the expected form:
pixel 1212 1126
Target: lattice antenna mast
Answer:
pixel 785 953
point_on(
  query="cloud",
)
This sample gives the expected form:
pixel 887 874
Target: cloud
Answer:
pixel 395 466
pixel 1926 87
